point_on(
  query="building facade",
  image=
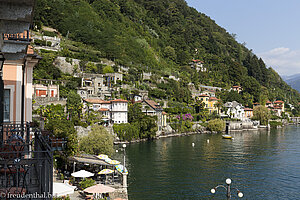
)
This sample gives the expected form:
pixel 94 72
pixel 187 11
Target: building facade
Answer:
pixel 113 111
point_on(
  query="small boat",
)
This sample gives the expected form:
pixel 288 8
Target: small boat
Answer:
pixel 227 136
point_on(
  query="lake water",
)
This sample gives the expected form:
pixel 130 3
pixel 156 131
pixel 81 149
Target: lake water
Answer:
pixel 263 165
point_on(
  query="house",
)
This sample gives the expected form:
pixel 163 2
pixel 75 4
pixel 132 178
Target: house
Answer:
pixel 210 92
pixel 248 112
pixel 204 98
pixel 113 111
pixel 235 110
pixel 278 107
pixel 237 88
pixel 150 107
pixel 198 65
pixel 269 104
pixel 41 90
pixel 212 105
pixel 99 85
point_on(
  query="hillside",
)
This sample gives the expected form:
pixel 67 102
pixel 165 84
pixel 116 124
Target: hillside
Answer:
pixel 162 37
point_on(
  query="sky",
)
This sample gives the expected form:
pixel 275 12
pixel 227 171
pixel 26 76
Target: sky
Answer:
pixel 271 28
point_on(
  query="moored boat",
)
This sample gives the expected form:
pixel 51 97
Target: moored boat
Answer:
pixel 227 136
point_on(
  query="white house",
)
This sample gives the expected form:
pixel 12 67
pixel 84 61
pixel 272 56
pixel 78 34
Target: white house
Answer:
pixel 119 111
pixel 113 111
pixel 235 110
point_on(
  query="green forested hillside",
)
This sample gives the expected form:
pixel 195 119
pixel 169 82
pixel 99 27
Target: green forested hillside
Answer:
pixel 163 37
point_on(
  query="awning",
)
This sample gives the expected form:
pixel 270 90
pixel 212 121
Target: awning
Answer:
pixel 62 189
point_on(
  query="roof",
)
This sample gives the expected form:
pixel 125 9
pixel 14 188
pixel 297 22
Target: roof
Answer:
pixel 278 101
pixel 248 109
pixel 119 100
pixel 99 101
pixel 197 60
pixel 103 109
pixel 255 103
pixel 236 86
pixel 204 95
pixel 90 159
pixel 152 104
pixel 268 102
pixel 213 99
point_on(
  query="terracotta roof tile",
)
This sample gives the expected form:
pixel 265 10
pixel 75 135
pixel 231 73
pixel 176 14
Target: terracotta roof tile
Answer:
pixel 119 100
pixel 103 109
pixel 99 101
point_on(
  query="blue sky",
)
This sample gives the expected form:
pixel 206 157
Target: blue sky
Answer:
pixel 271 28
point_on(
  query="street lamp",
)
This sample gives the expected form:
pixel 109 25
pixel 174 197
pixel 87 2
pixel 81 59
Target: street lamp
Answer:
pixel 228 189
pixel 123 149
pixel 124 146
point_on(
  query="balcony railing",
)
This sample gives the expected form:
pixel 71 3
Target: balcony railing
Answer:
pixel 26 162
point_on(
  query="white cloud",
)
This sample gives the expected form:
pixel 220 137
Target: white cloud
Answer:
pixel 284 60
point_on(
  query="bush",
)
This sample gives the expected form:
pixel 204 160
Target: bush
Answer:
pixel 216 125
pixel 87 183
pixel 49 34
pixel 274 124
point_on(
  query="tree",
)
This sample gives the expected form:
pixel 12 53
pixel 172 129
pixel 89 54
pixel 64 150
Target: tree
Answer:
pixel 108 69
pixel 62 128
pixel 262 114
pixel 74 106
pixel 217 125
pixel 98 141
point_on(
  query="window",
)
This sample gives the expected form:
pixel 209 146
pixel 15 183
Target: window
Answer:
pixel 6 105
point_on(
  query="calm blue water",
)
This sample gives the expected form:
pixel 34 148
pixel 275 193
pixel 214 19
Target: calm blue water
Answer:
pixel 263 165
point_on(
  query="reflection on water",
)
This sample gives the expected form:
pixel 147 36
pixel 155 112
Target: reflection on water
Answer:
pixel 262 164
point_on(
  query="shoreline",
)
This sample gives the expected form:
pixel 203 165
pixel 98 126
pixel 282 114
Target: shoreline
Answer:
pixel 183 134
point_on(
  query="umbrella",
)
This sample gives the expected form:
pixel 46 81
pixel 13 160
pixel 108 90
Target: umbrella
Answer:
pixel 82 174
pixel 113 162
pixel 99 188
pixel 107 160
pixel 121 169
pixel 62 189
pixel 102 156
pixel 106 171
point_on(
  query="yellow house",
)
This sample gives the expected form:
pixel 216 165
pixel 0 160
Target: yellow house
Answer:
pixel 248 112
pixel 212 101
pixel 205 99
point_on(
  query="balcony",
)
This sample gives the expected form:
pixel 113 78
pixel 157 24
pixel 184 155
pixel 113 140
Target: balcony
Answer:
pixel 26 161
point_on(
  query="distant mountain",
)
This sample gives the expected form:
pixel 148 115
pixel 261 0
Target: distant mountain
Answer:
pixel 293 81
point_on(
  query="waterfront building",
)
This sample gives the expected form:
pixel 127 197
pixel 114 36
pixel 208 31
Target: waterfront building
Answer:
pixel 248 112
pixel 150 107
pixel 113 111
pixel 235 110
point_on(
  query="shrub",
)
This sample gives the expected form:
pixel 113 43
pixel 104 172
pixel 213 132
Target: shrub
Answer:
pixel 274 124
pixel 87 183
pixel 216 125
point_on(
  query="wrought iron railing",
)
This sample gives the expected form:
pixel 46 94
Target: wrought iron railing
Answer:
pixel 26 163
